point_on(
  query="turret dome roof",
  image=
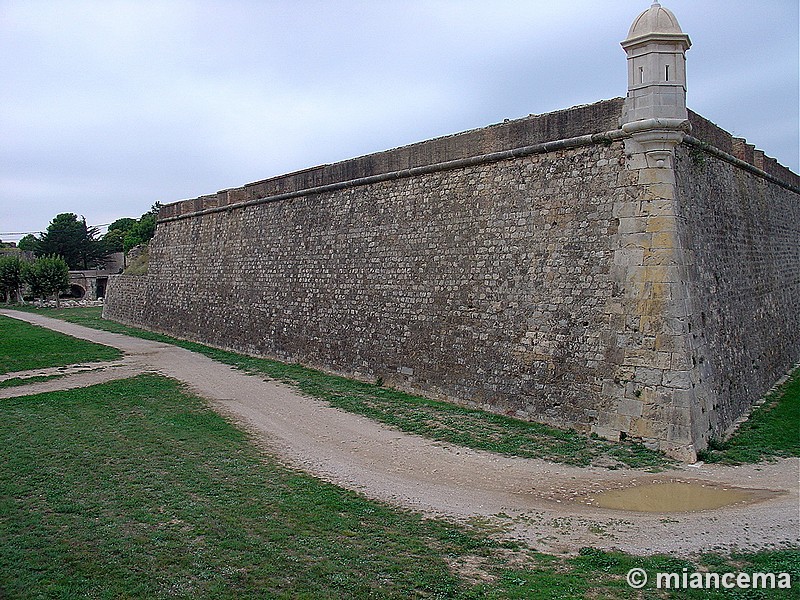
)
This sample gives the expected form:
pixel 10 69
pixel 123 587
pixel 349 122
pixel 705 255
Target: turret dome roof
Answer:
pixel 655 19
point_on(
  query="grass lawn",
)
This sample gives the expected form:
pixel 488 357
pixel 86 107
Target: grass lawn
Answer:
pixel 772 431
pixel 24 346
pixel 439 420
pixel 136 489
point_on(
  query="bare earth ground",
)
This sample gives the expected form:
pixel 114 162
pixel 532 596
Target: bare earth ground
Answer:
pixel 541 503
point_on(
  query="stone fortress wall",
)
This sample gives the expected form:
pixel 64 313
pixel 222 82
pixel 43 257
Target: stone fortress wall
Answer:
pixel 556 268
pixel 741 237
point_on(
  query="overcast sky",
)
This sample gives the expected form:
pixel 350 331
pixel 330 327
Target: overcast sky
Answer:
pixel 107 107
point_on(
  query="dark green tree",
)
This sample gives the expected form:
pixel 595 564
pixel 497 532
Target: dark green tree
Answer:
pixel 48 276
pixel 144 229
pixel 114 239
pixel 70 237
pixel 28 243
pixel 123 224
pixel 11 277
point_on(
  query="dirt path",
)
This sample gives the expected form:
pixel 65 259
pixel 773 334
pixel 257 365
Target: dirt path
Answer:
pixel 536 501
pixel 67 378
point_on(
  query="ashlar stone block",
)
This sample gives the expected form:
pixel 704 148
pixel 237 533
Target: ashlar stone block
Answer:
pixel 629 407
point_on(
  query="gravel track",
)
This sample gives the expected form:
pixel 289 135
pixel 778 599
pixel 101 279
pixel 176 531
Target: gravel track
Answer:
pixel 544 504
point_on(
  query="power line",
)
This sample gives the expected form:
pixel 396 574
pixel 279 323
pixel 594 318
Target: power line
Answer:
pixel 35 232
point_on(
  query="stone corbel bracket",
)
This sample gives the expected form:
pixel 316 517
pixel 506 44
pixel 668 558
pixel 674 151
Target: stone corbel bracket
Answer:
pixel 655 140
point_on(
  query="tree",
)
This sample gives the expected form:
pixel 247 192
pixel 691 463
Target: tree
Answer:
pixel 11 280
pixel 47 276
pixel 114 239
pixel 144 229
pixel 28 243
pixel 72 239
pixel 124 224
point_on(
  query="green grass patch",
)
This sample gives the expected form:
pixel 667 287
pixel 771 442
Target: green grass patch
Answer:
pixel 24 346
pixel 17 381
pixel 137 489
pixel 772 430
pixel 442 421
pixel 607 569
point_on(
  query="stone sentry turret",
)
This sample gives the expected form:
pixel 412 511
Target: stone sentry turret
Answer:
pixel 659 402
pixel 655 108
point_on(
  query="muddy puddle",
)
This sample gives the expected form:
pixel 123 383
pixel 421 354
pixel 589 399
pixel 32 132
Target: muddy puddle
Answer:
pixel 675 496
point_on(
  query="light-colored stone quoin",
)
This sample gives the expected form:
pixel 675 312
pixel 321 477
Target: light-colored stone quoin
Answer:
pixel 625 268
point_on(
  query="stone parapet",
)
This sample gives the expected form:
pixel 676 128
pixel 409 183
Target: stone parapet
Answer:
pixel 518 133
pixel 709 133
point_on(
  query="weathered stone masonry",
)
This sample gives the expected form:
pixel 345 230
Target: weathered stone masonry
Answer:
pixel 484 284
pixel 741 239
pixel 596 268
pixel 561 286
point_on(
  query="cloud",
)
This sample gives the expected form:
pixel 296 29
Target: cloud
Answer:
pixel 110 105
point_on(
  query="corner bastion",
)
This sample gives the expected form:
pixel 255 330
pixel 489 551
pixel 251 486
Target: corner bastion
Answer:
pixel 569 268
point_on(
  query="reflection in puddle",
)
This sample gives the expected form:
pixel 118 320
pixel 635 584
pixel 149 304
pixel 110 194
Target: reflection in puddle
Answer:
pixel 673 497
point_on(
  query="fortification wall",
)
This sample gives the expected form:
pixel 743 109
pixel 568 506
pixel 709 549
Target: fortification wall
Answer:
pixel 741 238
pixel 483 284
pixel 539 268
pixel 718 138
